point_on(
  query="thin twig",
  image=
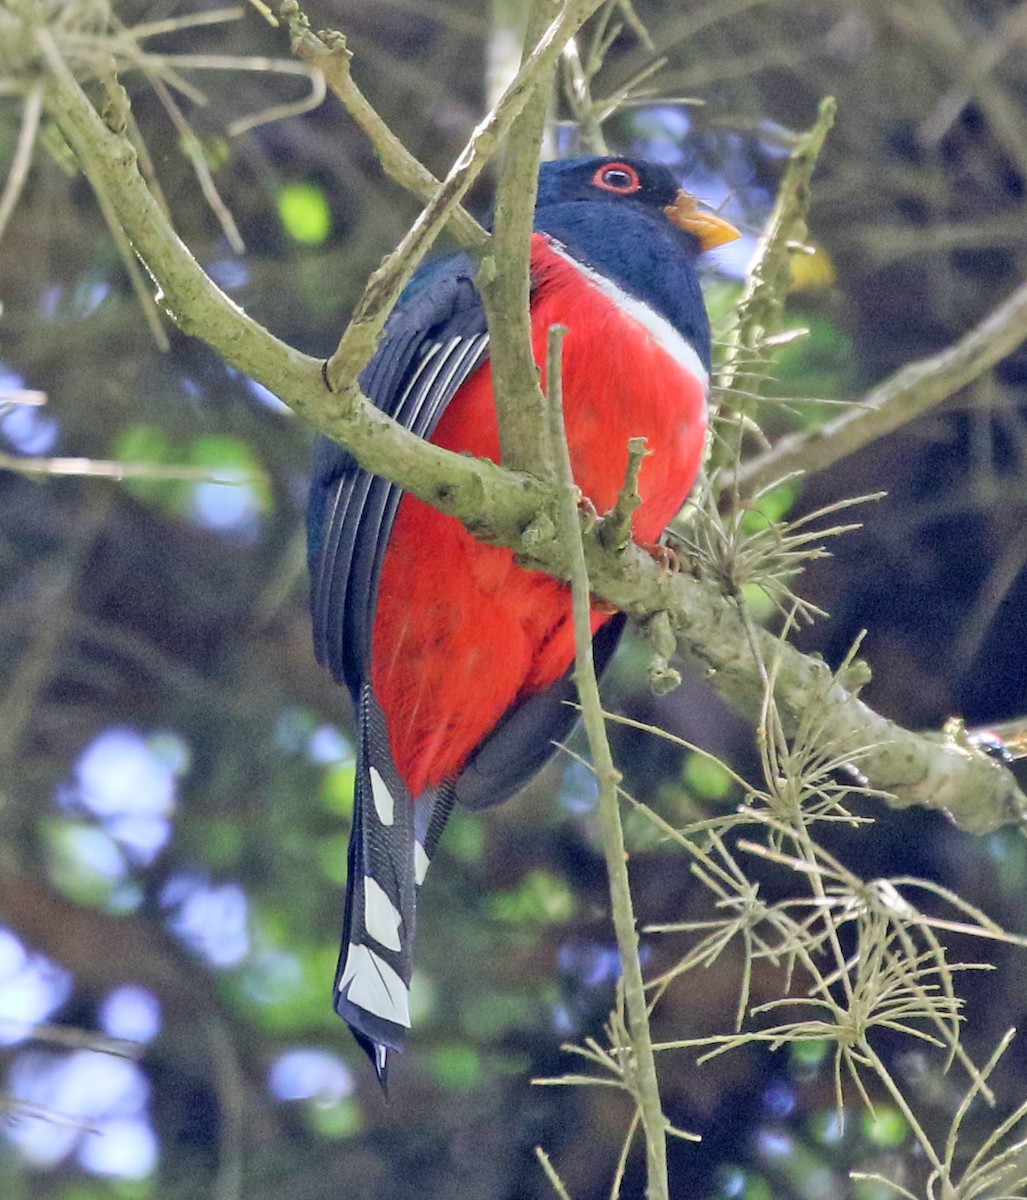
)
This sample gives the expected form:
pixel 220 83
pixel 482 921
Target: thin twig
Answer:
pixel 577 88
pixel 99 468
pixel 767 280
pixel 30 114
pixel 192 148
pixel 551 1175
pixel 910 392
pixel 77 1039
pixel 280 112
pixel 615 531
pixel 383 288
pixel 329 54
pixel 216 16
pixel 945 773
pixel 506 290
pixel 646 1084
pixel 201 308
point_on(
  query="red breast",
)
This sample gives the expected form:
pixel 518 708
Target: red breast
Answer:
pixel 461 632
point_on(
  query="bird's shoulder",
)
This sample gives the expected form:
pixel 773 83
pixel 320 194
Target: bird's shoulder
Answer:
pixel 440 304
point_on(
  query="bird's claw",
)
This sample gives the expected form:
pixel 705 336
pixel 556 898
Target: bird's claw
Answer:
pixel 664 556
pixel 589 511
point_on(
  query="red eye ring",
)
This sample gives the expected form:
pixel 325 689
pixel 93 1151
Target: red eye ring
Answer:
pixel 617 177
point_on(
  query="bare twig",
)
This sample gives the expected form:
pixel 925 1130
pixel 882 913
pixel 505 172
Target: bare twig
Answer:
pixel 192 148
pixel 578 90
pixel 616 527
pixel 201 308
pixel 99 468
pixel 78 1039
pixel 767 279
pixel 506 291
pixel 551 1175
pixel 360 338
pixel 329 53
pixel 30 114
pixel 910 392
pixel 500 505
pixel 642 1074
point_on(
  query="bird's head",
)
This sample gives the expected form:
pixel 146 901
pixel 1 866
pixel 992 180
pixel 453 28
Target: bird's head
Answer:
pixel 629 221
pixel 644 187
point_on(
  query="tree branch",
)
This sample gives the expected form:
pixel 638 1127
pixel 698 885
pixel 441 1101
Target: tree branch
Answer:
pixel 640 1069
pixel 910 392
pixel 506 291
pixel 360 338
pixel 939 771
pixel 199 307
pixel 519 511
pixel 329 53
pixel 768 276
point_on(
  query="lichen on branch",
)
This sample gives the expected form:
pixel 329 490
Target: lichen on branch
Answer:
pixel 499 505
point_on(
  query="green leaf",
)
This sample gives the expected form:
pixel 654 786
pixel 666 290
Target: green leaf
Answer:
pixel 340 1120
pixel 141 443
pixel 826 1128
pixel 486 1018
pixel 773 508
pixel 222 453
pixel 305 214
pixel 221 842
pixel 541 899
pixel 707 777
pixel 337 786
pixel 820 364
pixel 130 1189
pixel 147 444
pixel 759 604
pixel 885 1127
pixel 84 863
pixel 457 1067
pixel 807 1056
pixel 331 857
pixel 464 838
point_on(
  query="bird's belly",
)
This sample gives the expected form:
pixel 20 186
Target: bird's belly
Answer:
pixel 461 633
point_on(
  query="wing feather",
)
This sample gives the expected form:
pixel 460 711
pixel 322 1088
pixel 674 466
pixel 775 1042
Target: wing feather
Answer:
pixel 434 341
pixel 430 348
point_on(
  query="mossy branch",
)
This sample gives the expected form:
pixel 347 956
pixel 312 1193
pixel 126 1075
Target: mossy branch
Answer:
pixel 506 290
pixel 640 1069
pixel 516 509
pixel 770 274
pixel 766 285
pixel 360 338
pixel 330 54
pixel 912 391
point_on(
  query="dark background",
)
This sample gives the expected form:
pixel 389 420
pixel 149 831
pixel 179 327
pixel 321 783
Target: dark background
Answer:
pixel 174 769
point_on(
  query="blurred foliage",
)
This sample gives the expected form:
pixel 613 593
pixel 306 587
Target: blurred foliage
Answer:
pixel 178 611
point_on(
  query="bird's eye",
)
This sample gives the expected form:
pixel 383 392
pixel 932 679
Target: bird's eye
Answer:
pixel 618 178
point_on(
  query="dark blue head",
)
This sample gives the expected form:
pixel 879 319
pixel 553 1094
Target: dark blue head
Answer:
pixel 630 221
pixel 644 186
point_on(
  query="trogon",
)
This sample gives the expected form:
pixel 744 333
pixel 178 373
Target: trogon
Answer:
pixel 459 661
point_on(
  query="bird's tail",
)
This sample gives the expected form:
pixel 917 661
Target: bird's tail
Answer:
pixel 390 848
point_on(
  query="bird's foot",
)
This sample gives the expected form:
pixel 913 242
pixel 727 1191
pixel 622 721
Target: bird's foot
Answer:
pixel 665 556
pixel 588 510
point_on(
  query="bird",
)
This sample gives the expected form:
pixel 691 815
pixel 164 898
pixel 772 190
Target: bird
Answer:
pixel 459 661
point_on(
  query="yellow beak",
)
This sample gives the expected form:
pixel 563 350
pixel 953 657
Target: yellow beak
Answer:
pixel 710 230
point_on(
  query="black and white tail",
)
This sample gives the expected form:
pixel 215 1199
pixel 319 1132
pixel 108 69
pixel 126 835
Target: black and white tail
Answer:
pixel 389 851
